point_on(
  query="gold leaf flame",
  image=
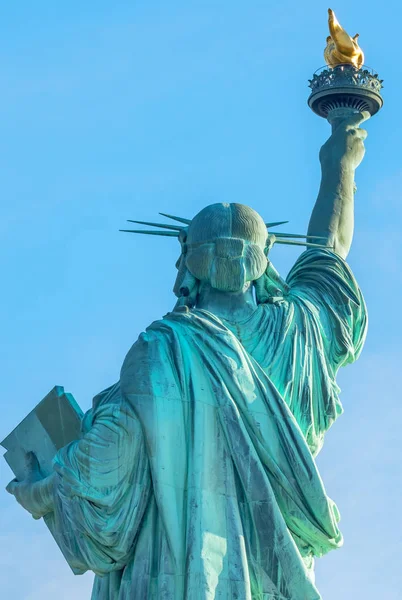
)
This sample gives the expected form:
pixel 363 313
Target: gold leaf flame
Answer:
pixel 341 48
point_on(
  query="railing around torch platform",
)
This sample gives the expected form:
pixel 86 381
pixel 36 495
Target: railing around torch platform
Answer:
pixel 345 75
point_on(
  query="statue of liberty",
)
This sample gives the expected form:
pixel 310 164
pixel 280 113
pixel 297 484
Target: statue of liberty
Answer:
pixel 194 477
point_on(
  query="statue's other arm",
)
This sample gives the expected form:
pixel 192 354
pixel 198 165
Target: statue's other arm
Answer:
pixel 100 488
pixel 333 213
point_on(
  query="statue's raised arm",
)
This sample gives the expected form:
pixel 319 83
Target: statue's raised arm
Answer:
pixel 333 213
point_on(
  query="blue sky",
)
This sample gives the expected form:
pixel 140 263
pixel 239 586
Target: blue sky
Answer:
pixel 112 111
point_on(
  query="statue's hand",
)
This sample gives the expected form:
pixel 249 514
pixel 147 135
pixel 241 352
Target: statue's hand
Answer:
pixel 24 491
pixel 345 148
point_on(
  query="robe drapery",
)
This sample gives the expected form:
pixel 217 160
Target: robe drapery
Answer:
pixel 195 475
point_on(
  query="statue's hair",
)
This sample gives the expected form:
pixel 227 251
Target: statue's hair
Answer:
pixel 225 246
pixel 226 264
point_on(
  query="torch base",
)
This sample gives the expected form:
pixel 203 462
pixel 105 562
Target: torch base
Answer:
pixel 345 87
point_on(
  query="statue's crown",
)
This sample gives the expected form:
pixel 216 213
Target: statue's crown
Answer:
pixel 220 228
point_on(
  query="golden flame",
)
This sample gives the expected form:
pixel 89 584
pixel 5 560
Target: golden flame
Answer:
pixel 341 48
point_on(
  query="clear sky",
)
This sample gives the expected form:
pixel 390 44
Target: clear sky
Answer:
pixel 118 110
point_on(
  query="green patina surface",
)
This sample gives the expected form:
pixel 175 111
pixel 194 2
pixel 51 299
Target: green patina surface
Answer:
pixel 194 477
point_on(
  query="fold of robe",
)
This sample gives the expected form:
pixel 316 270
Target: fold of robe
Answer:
pixel 195 477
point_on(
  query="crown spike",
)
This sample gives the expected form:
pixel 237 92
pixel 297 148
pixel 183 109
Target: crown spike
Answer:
pixel 164 233
pixel 308 244
pixel 275 223
pixel 299 235
pixel 180 219
pixel 161 225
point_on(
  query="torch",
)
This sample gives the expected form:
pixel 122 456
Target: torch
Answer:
pixel 345 85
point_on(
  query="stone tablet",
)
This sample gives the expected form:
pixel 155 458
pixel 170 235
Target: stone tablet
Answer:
pixel 53 423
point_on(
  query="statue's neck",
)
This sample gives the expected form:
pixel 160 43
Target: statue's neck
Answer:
pixel 232 306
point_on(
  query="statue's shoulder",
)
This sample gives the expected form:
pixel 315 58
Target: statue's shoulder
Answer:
pixel 153 360
pixel 155 340
pixel 163 338
pixel 161 335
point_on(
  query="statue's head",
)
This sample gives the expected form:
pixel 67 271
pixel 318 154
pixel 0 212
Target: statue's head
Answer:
pixel 225 247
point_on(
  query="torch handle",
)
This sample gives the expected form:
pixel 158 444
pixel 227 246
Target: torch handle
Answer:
pixel 336 115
